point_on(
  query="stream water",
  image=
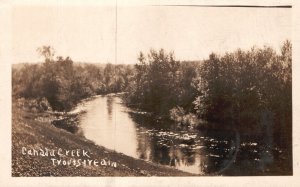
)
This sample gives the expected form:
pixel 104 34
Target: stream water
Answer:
pixel 111 124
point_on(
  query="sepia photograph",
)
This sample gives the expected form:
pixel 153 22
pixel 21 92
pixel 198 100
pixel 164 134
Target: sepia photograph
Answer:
pixel 119 90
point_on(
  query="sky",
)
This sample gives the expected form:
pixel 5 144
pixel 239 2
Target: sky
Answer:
pixel 91 33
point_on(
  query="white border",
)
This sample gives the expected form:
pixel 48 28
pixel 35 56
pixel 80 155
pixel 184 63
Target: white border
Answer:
pixel 5 111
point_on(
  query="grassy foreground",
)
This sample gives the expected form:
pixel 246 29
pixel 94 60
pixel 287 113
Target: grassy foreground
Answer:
pixel 33 130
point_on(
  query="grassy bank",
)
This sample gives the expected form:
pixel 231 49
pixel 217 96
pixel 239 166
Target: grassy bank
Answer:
pixel 32 130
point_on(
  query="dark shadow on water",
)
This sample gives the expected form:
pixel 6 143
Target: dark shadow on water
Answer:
pixel 201 151
pixel 67 124
pixel 221 152
pixel 167 144
pixel 109 104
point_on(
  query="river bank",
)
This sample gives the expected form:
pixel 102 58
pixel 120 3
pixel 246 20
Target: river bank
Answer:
pixel 46 143
pixel 32 130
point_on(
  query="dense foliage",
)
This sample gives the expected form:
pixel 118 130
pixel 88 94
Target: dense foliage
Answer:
pixel 161 83
pixel 249 91
pixel 64 83
pixel 243 90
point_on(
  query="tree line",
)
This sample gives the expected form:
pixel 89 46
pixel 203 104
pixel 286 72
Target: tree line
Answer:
pixel 245 90
pixel 64 83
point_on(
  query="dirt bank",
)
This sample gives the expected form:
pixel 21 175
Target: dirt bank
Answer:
pixel 33 134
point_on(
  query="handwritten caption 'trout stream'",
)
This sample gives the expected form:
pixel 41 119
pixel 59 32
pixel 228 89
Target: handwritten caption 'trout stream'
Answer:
pixel 63 157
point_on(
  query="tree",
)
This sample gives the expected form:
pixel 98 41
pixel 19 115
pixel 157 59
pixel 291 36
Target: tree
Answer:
pixel 47 52
pixel 159 83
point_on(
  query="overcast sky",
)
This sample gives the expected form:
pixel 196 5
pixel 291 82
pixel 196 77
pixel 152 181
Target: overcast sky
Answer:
pixel 88 33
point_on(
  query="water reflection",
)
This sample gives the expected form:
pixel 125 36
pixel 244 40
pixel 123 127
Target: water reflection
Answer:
pixel 106 124
pixel 192 151
pixel 109 123
pixel 109 105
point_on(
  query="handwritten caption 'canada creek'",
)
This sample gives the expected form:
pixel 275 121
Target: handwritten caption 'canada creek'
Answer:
pixel 63 157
